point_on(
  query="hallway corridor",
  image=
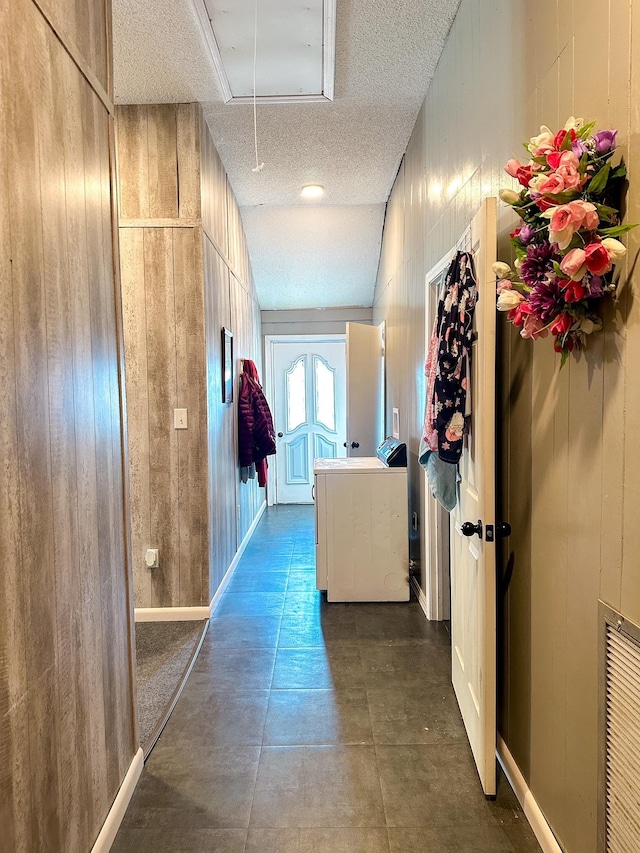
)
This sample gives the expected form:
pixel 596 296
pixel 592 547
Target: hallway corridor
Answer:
pixel 308 727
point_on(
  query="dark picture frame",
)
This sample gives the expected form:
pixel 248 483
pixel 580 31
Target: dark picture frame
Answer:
pixel 227 366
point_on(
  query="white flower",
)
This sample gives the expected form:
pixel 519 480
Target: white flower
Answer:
pixel 615 248
pixel 509 196
pixel 501 269
pixel 508 300
pixel 574 123
pixel 588 326
pixel 535 182
pixel 544 138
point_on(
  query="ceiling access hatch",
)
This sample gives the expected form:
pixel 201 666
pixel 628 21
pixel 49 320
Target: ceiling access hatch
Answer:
pixel 294 48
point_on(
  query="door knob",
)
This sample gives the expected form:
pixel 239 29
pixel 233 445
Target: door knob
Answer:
pixel 470 529
pixel 503 528
pixel 280 434
pixel 353 444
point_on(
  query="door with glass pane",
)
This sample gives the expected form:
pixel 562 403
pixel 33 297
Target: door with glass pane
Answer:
pixel 309 382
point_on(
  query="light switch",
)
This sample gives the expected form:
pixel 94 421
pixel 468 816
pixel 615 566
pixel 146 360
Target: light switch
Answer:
pixel 179 418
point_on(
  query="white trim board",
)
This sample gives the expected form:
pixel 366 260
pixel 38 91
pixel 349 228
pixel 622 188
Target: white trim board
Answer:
pixel 422 599
pixel 530 807
pixel 224 583
pixel 171 614
pixel 117 811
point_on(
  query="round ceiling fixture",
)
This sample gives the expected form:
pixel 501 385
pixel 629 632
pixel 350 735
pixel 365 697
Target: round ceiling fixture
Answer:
pixel 312 191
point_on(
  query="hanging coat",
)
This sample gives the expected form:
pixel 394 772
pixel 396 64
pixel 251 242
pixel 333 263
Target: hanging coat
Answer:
pixel 256 433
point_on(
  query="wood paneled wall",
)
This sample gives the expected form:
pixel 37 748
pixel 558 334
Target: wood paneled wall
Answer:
pixel 174 231
pixel 568 466
pixel 66 712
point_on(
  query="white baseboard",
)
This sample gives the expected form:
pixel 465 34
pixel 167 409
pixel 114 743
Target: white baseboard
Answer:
pixel 224 583
pixel 116 813
pixel 422 598
pixel 171 614
pixel 530 807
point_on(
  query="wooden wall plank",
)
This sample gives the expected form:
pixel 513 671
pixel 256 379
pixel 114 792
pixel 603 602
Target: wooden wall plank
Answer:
pixel 132 270
pixel 163 445
pixel 133 162
pixel 192 395
pixel 222 468
pixel 214 191
pixel 188 117
pixel 163 161
pixel 54 785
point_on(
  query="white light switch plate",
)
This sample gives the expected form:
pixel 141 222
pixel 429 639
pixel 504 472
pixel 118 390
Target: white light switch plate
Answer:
pixel 179 418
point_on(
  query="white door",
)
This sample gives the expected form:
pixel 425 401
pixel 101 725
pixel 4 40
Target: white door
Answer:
pixel 309 405
pixel 365 389
pixel 473 563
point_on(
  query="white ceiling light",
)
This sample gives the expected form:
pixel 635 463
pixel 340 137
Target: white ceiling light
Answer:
pixel 312 191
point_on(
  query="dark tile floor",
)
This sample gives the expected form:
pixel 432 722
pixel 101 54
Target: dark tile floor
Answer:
pixel 308 727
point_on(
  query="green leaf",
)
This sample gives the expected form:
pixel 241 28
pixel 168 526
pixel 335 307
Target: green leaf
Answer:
pixel 599 181
pixel 567 142
pixel 582 165
pixel 585 131
pixel 619 172
pixel 563 358
pixel 605 213
pixel 616 230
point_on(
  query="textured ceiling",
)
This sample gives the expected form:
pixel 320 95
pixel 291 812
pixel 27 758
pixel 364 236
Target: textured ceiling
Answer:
pixel 303 255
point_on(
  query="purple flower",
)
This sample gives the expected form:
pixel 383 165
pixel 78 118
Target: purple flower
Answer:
pixel 547 300
pixel 605 140
pixel 596 286
pixel 527 233
pixel 538 263
pixel 578 147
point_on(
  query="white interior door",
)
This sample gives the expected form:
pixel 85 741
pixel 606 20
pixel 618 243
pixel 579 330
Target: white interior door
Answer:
pixel 309 379
pixel 473 564
pixel 365 389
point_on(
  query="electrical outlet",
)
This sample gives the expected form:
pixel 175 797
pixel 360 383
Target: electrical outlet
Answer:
pixel 151 558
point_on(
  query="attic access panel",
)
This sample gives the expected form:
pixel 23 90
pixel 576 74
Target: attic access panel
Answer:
pixel 295 53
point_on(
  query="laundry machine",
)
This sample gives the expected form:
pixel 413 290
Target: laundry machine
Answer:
pixel 362 533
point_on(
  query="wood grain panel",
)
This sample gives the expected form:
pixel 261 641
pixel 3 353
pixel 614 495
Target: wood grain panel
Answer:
pixel 162 139
pixel 163 443
pixel 222 464
pixel 132 270
pixel 133 162
pixel 192 391
pixel 214 192
pixel 188 117
pixel 60 407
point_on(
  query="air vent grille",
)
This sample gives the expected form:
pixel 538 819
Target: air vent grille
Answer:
pixel 622 779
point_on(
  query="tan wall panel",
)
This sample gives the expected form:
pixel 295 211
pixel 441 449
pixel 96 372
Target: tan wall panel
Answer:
pixel 570 480
pixel 214 192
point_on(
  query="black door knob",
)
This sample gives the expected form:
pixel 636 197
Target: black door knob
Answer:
pixel 353 444
pixel 503 528
pixel 280 434
pixel 470 529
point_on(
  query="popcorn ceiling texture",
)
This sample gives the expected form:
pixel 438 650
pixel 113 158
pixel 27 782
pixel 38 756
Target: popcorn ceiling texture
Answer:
pixel 302 255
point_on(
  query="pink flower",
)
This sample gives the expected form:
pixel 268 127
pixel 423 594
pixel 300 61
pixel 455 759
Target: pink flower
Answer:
pixel 533 327
pixel 574 264
pixel 566 219
pixel 574 291
pixel 512 167
pixel 556 159
pixel 504 284
pixel 597 258
pixel 551 184
pixel 518 314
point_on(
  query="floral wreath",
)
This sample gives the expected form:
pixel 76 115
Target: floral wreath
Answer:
pixel 566 247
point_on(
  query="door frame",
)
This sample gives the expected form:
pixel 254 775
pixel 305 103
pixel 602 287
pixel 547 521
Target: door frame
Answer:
pixel 270 342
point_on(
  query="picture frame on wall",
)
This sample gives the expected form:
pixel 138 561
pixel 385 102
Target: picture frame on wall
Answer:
pixel 227 366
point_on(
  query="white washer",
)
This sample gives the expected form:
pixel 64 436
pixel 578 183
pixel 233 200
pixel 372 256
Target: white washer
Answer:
pixel 362 535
